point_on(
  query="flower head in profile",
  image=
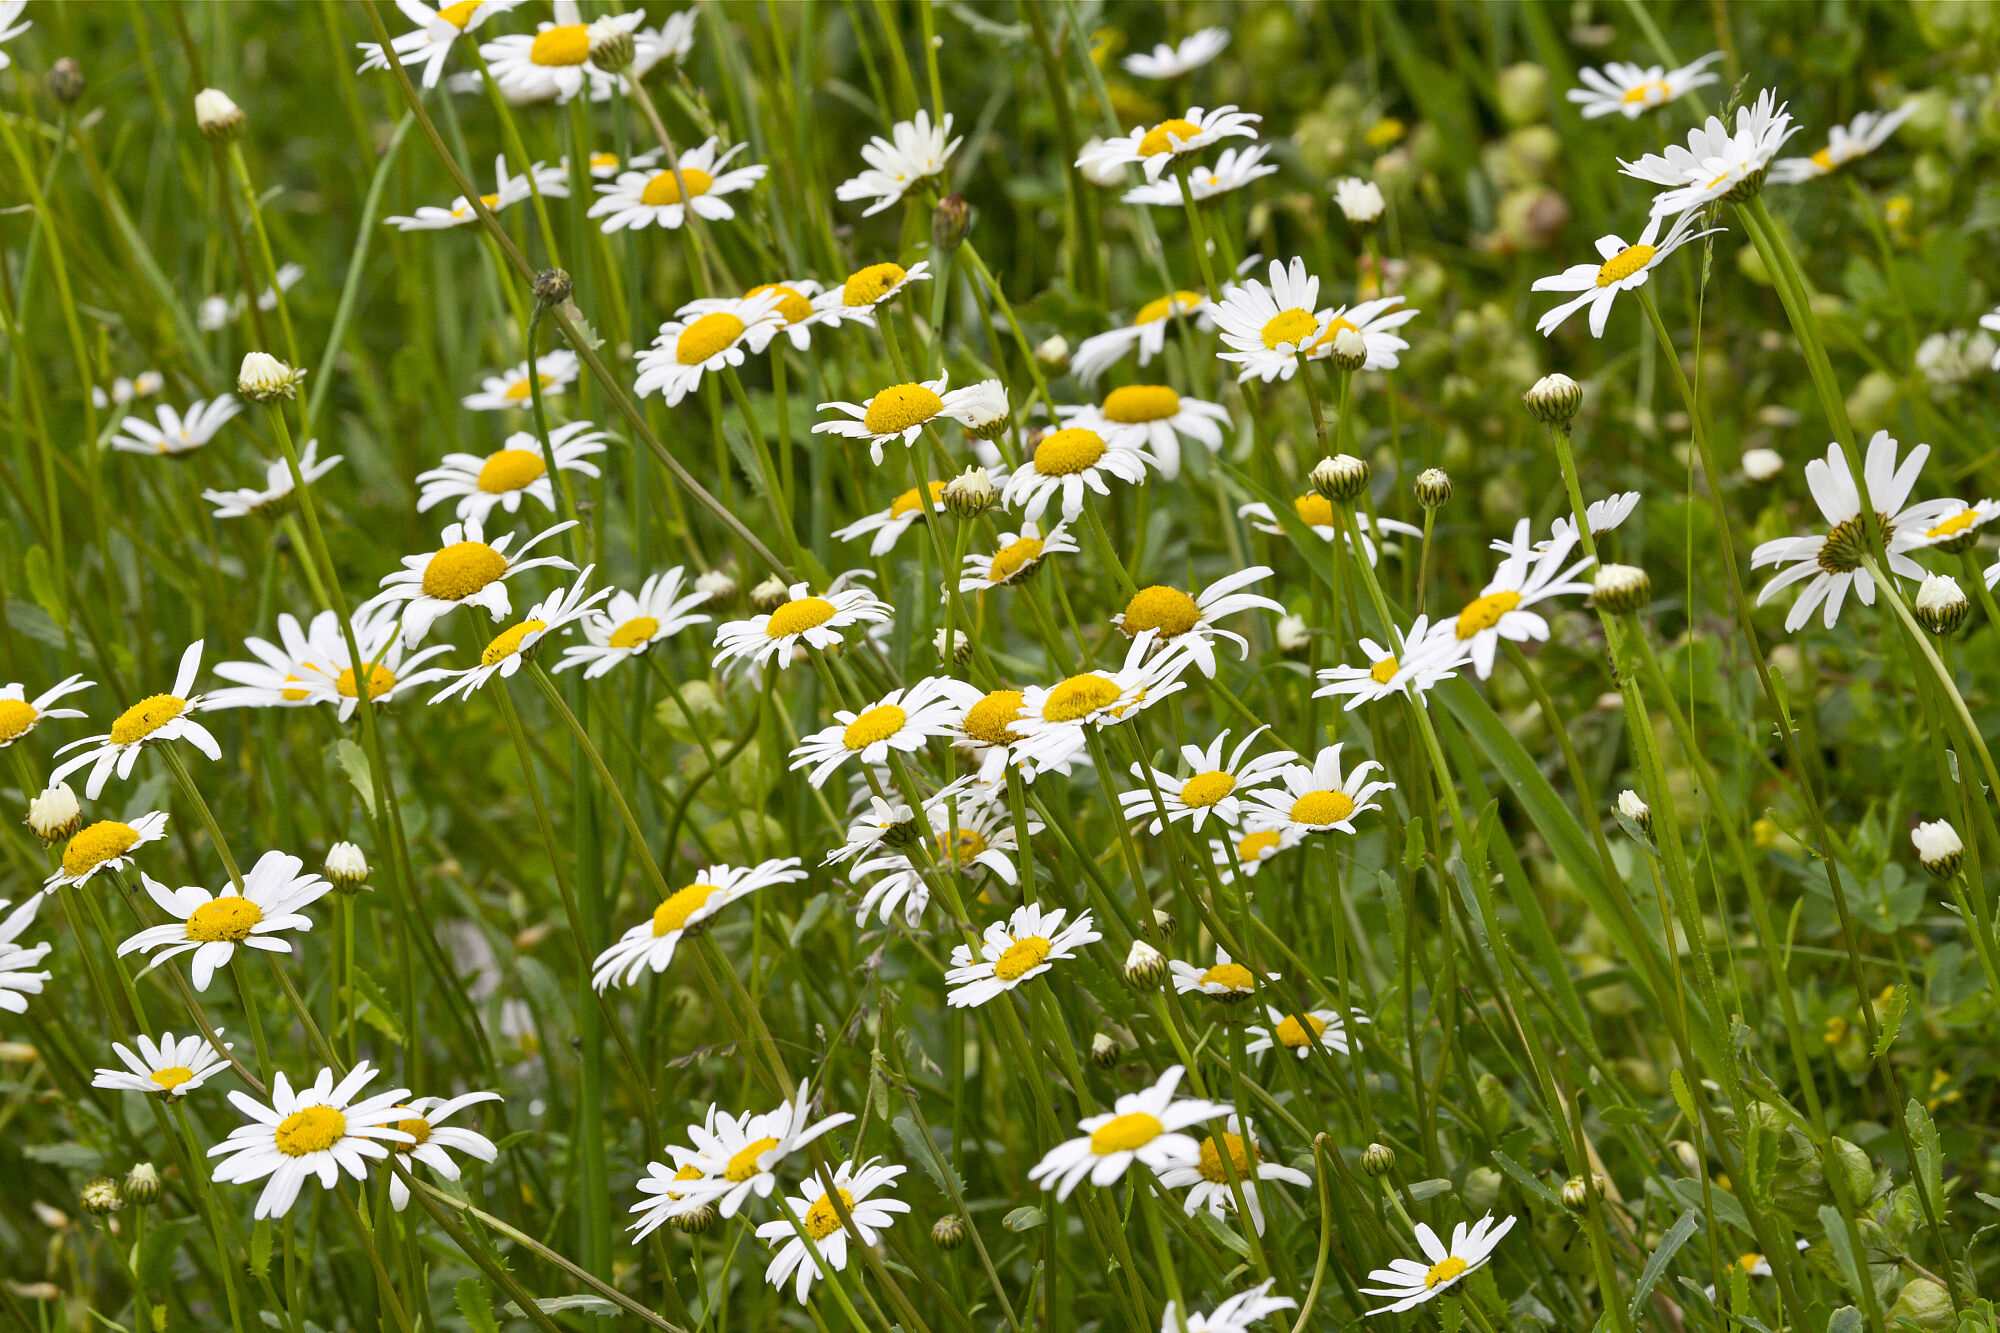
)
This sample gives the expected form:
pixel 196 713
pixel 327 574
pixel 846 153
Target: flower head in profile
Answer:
pixel 1426 658
pixel 915 150
pixel 663 196
pixel 320 1130
pixel 899 413
pixel 672 40
pixel 1016 557
pixel 737 1156
pixel 1302 1034
pixel 168 1068
pixel 1717 164
pixel 629 625
pixel 277 490
pixel 1625 89
pixel 1225 979
pixel 508 190
pixel 104 846
pixel 1317 797
pixel 17 983
pixel 887 526
pixel 1019 949
pixel 1053 727
pixel 212 925
pixel 1232 169
pixel 1155 147
pixel 1188 623
pixel 1239 1314
pixel 900 722
pixel 430 42
pixel 796 316
pixel 1213 786
pixel 432 1141
pixel 555 61
pixel 1859 137
pixel 1208 1182
pixel 1147 1127
pixel 465 570
pixel 1316 512
pixel 1186 56
pixel 1375 322
pixel 513 388
pixel 1158 415
pixel 1411 1282
pixel 154 720
pixel 692 344
pixel 649 946
pixel 803 619
pixel 313 666
pixel 1147 332
pixel 518 470
pixel 1624 267
pixel 825 1241
pixel 1247 852
pixel 865 288
pixel 174 432
pixel 20 715
pixel 973 836
pixel 507 650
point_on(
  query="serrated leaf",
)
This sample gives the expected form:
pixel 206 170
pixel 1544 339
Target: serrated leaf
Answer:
pixel 476 1304
pixel 1930 1153
pixel 353 761
pixel 1526 1179
pixel 156 1258
pixel 596 1305
pixel 925 1154
pixel 1892 1020
pixel 1843 1253
pixel 260 1247
pixel 1676 1237
pixel 374 1008
pixel 1024 1218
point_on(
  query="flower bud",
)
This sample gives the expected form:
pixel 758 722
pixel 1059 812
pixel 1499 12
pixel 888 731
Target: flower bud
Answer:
pixel 1553 400
pixel 346 866
pixel 1164 925
pixel 949 221
pixel 1360 201
pixel 55 815
pixel 1938 847
pixel 960 645
pixel 64 80
pixel 1053 352
pixel 1105 1051
pixel 1145 966
pixel 262 377
pixel 1634 808
pixel 219 118
pixel 1578 1191
pixel 1433 488
pixel 100 1197
pixel 142 1185
pixel 769 595
pixel 1350 350
pixel 719 584
pixel 949 1232
pixel 1293 636
pixel 1377 1160
pixel 1685 1154
pixel 611 45
pixel 970 493
pixel 1762 464
pixel 1621 590
pixel 984 409
pixel 1941 607
pixel 1341 478
pixel 552 285
pixel 696 1221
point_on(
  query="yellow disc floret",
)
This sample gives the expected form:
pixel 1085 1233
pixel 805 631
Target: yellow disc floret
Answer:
pixel 1242 1156
pixel 869 285
pixel 791 303
pixel 1125 1133
pixel 106 840
pixel 419 1130
pixel 673 914
pixel 1160 307
pixel 907 503
pixel 1079 696
pixel 1289 327
pixel 381 681
pixel 1314 510
pixel 712 333
pixel 1231 976
pixel 877 724
pixel 1161 138
pixel 1012 558
pixel 1624 264
pixel 147 716
pixel 1068 451
pixel 1444 1271
pixel 17 717
pixel 309 1129
pixel 568 44
pixel 171 1077
pixel 1168 610
pixel 899 407
pixel 798 617
pixel 508 641
pixel 509 470
pixel 821 1219
pixel 1205 789
pixel 462 569
pixel 744 1164
pixel 1320 808
pixel 663 189
pixel 634 633
pixel 1256 846
pixel 990 721
pixel 227 920
pixel 1484 613
pixel 1021 957
pixel 1294 1033
pixel 1136 403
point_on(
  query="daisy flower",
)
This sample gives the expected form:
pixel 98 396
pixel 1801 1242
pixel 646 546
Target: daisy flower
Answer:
pixel 603 164
pixel 516 470
pixel 1624 89
pixel 423 1120
pixel 1624 267
pixel 1154 148
pixel 901 722
pixel 1375 321
pixel 513 389
pixel 212 925
pixel 1069 460
pixel 1412 1282
pixel 687 348
pixel 508 190
pixel 989 731
pixel 277 485
pixel 1227 980
pixel 804 620
pixel 313 666
pixel 16 981
pixel 915 150
pixel 19 715
pixel 1184 57
pixel 555 62
pixel 1147 331
pixel 1717 164
pixel 740 1155
pixel 884 822
pixel 815 1213
pixel 899 412
pixel 154 720
pixel 890 524
pixel 1858 138
pixel 1956 529
pixel 1301 1034
pixel 1207 1180
pixel 672 40
pixel 1026 945
pixel 1427 658
pixel 796 316
pixel 667 1186
pixel 1143 1127
pixel 1159 415
pixel 1016 557
pixel 436 32
pixel 173 1068
pixel 514 645
pixel 1318 797
pixel 865 289
pixel 1251 851
pixel 1187 623
pixel 1316 512
pixel 1051 727
pixel 1833 562
pixel 1214 786
pixel 649 946
pixel 1526 577
pixel 320 1130
pixel 640 199
pixel 629 625
pixel 973 837
pixel 177 433
pixel 1239 1314
pixel 465 570
pixel 1232 170
pixel 1267 327
pixel 106 845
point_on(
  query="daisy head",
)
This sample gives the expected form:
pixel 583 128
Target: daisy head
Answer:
pixel 803 620
pixel 663 196
pixel 432 1141
pixel 739 1156
pixel 914 151
pixel 1229 1161
pixel 465 570
pixel 1248 852
pixel 175 433
pixel 1188 623
pixel 1267 328
pixel 1318 797
pixel 866 288
pixel 517 470
pixel 508 190
pixel 1068 462
pixel 649 946
pixel 1232 169
pixel 1717 164
pixel 154 720
pixel 1374 322
pixel 515 387
pixel 313 666
pixel 973 836
pixel 1213 786
pixel 898 413
pixel 901 722
pixel 430 42
pixel 1625 89
pixel 1055 721
pixel 1956 529
pixel 1157 413
pixel 212 925
pixel 1301 1034
pixel 277 490
pixel 1182 58
pixel 1016 557
pixel 1425 659
pixel 1411 1282
pixel 1146 1127
pixel 825 1241
pixel 1226 979
pixel 321 1130
pixel 1316 512
pixel 1155 147
pixel 1147 332
pixel 1858 138
pixel 555 61
pixel 672 40
pixel 694 344
pixel 1239 1314
pixel 1503 609
pixel 1623 268
pixel 629 625
pixel 518 643
pixel 169 1068
pixel 796 316
pixel 1020 949
pixel 106 845
pixel 887 526
pixel 20 715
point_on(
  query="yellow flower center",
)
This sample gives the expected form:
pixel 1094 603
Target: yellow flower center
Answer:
pixel 1444 1271
pixel 1483 613
pixel 899 407
pixel 1241 1157
pixel 821 1219
pixel 1012 558
pixel 460 14
pixel 1234 976
pixel 171 1077
pixel 462 569
pixel 521 390
pixel 1079 696
pixel 673 914
pixel 907 504
pixel 147 716
pixel 1159 308
pixel 1168 610
pixel 685 1173
pixel 1952 526
pixel 798 617
pixel 16 717
pixel 869 285
pixel 1126 1133
pixel 1205 789
pixel 566 45
pixel 990 721
pixel 962 849
pixel 310 1129
pixel 1295 1032
pixel 1292 326
pixel 103 841
pixel 1749 1261
pixel 1322 807
pixel 1823 159
pixel 1333 329
pixel 1141 402
pixel 793 306
pixel 1256 846
pixel 510 470
pixel 634 633
pixel 1624 264
pixel 1065 452
pixel 1314 510
pixel 877 724
pixel 1021 957
pixel 381 680
pixel 603 160
pixel 294 695
pixel 508 642
pixel 1658 87
pixel 712 333
pixel 663 189
pixel 226 920
pixel 417 1128
pixel 744 1164
pixel 1385 670
pixel 1157 141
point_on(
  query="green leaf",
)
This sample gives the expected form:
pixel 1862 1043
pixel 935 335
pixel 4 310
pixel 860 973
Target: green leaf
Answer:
pixel 1622 1116
pixel 156 1258
pixel 810 917
pixel 1413 845
pixel 1892 1020
pixel 1727 1209
pixel 926 1155
pixel 476 1304
pixel 67 1156
pixel 42 585
pixel 1025 1218
pixel 1682 1097
pixel 260 1247
pixel 1429 1189
pixel 1526 1180
pixel 354 762
pixel 1930 1153
pixel 1846 1319
pixel 1676 1237
pixel 374 1008
pixel 1843 1253
pixel 1222 1235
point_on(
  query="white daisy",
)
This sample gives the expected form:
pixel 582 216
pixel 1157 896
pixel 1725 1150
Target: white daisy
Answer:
pixel 804 620
pixel 915 150
pixel 1624 267
pixel 1317 797
pixel 154 720
pixel 815 1213
pixel 649 946
pixel 1159 415
pixel 19 715
pixel 1023 947
pixel 423 1120
pixel 1147 331
pixel 513 389
pixel 16 981
pixel 865 289
pixel 555 62
pixel 1316 512
pixel 740 1156
pixel 629 625
pixel 106 845
pixel 1143 1127
pixel 1232 170
pixel 884 822
pixel 277 485
pixel 1251 851
pixel 1267 327
pixel 889 525
pixel 176 433
pixel 901 722
pixel 1016 556
pixel 1212 786
pixel 1859 137
pixel 516 470
pixel 1412 1282
pixel 1528 576
pixel 640 199
pixel 465 570
pixel 1716 164
pixel 1051 727
pixel 989 733
pixel 1628 90
pixel 796 316
pixel 1184 57
pixel 1427 658
pixel 687 348
pixel 1302 1034
pixel 507 650
pixel 604 164
pixel 974 836
pixel 1239 1314
pixel 1187 623
pixel 313 666
pixel 672 40
pixel 320 1130
pixel 172 1068
pixel 899 412
pixel 1226 979
pixel 1207 1180
pixel 1375 321
pixel 1067 461
pixel 212 925
pixel 667 1186
pixel 1957 529
pixel 437 31
pixel 1154 147
pixel 508 190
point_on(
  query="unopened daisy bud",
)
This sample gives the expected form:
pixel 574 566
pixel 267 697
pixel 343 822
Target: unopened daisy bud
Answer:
pixel 1938 848
pixel 719 584
pixel 1053 352
pixel 949 221
pixel 1941 607
pixel 948 1232
pixel 1164 925
pixel 769 595
pixel 952 641
pixel 552 286
pixel 611 45
pixel 970 493
pixel 1105 1051
pixel 142 1185
pixel 1553 400
pixel 696 1221
pixel 55 815
pixel 346 867
pixel 100 1196
pixel 1145 966
pixel 985 409
pixel 1350 350
pixel 1684 1153
pixel 1762 464
pixel 1360 201
pixel 1634 808
pixel 1340 478
pixel 64 80
pixel 1378 1160
pixel 262 377
pixel 1622 589
pixel 1578 1191
pixel 1433 487
pixel 218 117
pixel 1293 636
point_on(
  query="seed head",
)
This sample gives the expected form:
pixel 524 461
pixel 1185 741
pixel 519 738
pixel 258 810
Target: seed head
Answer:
pixel 1341 478
pixel 1553 400
pixel 552 285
